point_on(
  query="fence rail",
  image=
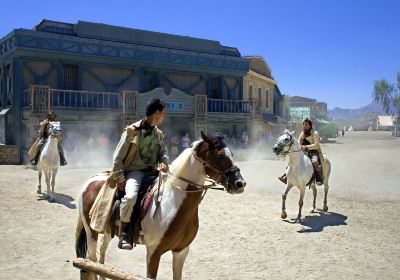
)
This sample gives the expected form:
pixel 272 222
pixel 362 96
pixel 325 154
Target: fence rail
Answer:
pixel 76 99
pixel 85 99
pixel 112 100
pixel 228 106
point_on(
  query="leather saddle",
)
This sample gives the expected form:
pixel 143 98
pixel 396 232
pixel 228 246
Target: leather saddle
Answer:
pixel 142 205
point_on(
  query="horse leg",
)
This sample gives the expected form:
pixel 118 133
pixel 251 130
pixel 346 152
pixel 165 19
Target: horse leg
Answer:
pixel 47 177
pixel 314 190
pixel 105 240
pixel 91 247
pixel 302 191
pixel 178 261
pixel 283 214
pixel 153 261
pixel 326 188
pixel 39 190
pixel 53 182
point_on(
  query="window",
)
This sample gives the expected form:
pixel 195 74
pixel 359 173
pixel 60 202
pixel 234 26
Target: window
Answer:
pixel 267 99
pixel 216 88
pixel 250 92
pixel 70 77
pixel 259 97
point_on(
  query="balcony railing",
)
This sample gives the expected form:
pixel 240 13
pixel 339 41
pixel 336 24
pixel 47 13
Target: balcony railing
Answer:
pixel 85 99
pixel 76 99
pixel 229 106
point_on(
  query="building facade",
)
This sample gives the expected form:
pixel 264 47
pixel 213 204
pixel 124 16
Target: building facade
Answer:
pixel 98 77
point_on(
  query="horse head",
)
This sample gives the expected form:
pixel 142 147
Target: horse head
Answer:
pixel 218 163
pixel 284 143
pixel 55 129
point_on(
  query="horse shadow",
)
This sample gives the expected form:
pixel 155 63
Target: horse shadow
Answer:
pixel 60 199
pixel 323 219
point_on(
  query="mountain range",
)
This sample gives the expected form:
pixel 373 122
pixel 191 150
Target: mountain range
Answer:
pixel 339 114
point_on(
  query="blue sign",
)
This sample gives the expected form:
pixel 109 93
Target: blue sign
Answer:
pixel 174 106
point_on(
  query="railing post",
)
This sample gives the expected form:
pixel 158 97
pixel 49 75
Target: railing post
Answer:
pixel 40 98
pixel 200 114
pixel 129 107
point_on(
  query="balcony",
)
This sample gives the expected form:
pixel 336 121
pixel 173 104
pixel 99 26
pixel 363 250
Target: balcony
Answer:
pixel 228 106
pixel 43 97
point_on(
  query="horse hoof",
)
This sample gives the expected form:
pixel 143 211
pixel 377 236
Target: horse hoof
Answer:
pixel 312 210
pixel 325 208
pixel 38 191
pixel 283 215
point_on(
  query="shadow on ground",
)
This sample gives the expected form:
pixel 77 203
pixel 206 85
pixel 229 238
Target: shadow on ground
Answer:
pixel 318 222
pixel 60 199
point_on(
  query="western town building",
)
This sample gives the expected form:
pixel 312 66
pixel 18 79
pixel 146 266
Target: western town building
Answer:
pixel 98 78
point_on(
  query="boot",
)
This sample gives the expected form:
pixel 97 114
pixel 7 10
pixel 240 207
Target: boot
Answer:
pixel 124 242
pixel 318 177
pixel 35 159
pixel 283 178
pixel 62 159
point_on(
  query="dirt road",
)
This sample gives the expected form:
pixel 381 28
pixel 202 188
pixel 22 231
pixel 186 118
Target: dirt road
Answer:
pixel 241 236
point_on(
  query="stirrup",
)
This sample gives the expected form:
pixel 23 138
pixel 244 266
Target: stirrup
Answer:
pixel 124 243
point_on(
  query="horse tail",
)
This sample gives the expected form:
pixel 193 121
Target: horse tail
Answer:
pixel 80 239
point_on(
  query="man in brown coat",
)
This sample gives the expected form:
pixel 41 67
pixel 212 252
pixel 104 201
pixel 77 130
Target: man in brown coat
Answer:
pixel 139 152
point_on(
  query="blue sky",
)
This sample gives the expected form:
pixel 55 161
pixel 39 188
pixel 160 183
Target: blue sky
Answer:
pixel 328 50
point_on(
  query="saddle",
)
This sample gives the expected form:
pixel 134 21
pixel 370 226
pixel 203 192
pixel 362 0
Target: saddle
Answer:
pixel 142 205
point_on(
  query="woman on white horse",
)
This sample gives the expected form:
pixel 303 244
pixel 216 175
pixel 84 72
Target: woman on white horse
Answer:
pixel 309 143
pixel 301 168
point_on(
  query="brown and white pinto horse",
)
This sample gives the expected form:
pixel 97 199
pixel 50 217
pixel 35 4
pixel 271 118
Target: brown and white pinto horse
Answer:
pixel 173 226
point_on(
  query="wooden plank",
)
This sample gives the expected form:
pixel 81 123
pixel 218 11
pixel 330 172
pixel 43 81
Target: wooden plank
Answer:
pixel 105 271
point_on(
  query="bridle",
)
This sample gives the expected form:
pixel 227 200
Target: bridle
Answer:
pixel 283 145
pixel 224 173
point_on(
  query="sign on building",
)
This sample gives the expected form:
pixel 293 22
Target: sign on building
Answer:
pixel 300 112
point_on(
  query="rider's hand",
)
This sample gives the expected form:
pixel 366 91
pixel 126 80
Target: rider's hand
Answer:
pixel 304 148
pixel 121 182
pixel 163 167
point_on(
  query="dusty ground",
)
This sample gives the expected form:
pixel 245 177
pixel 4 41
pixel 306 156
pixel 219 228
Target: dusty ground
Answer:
pixel 240 236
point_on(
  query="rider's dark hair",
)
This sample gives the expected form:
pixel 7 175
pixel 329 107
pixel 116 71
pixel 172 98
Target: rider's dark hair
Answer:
pixel 51 113
pixel 309 122
pixel 153 106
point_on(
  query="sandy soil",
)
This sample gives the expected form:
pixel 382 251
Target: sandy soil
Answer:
pixel 241 236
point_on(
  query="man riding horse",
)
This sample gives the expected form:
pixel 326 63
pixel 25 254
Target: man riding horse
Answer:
pixel 43 135
pixel 136 156
pixel 309 143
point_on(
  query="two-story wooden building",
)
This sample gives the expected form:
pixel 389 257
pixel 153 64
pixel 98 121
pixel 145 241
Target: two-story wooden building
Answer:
pixel 98 78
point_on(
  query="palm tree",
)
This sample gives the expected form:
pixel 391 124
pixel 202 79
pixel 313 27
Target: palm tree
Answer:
pixel 383 93
pixel 388 95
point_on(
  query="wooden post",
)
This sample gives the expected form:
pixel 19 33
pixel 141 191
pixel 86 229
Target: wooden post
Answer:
pixel 103 270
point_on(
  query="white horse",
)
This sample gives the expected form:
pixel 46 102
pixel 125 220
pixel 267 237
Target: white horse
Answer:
pixel 300 171
pixel 172 225
pixel 50 160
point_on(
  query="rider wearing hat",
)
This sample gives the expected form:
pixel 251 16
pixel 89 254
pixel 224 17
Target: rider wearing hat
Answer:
pixel 44 134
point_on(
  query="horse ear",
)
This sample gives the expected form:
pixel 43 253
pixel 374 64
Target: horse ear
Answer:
pixel 204 136
pixel 287 131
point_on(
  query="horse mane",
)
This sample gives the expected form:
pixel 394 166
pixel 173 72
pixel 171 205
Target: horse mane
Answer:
pixel 177 165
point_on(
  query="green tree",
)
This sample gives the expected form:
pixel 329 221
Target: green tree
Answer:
pixel 388 95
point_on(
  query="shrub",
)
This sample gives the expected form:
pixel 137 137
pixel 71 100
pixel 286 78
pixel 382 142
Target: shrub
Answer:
pixel 328 130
